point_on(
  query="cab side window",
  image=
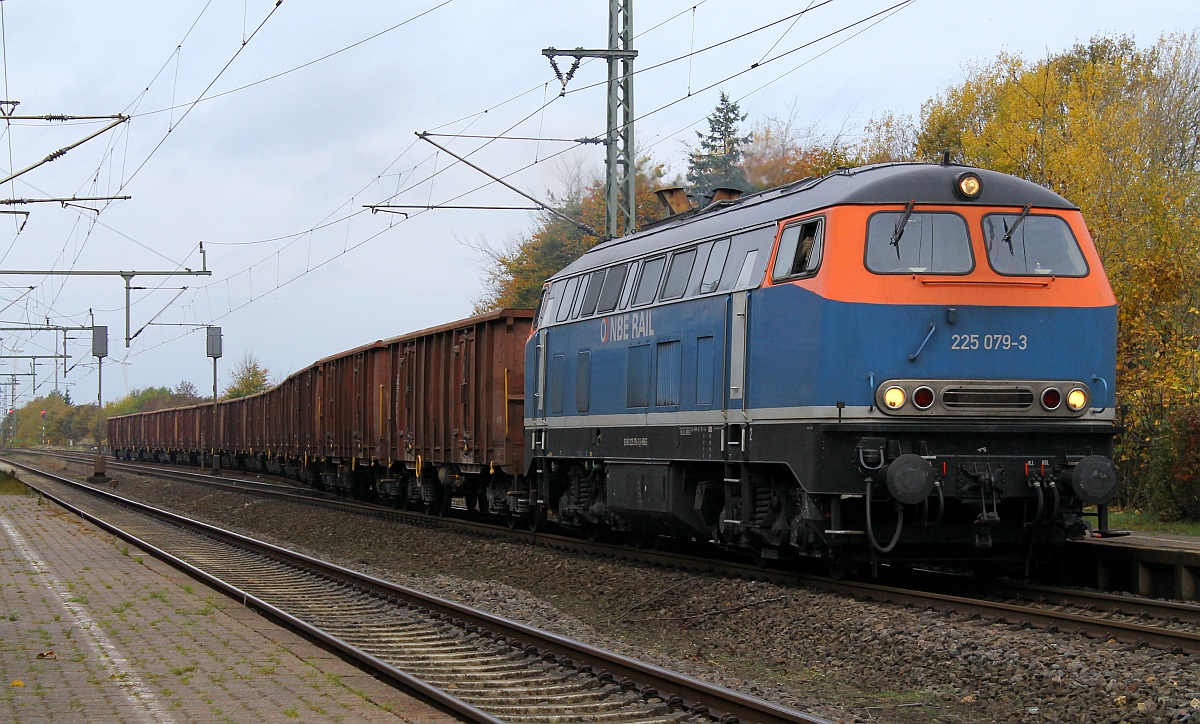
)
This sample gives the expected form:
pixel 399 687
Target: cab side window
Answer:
pixel 716 265
pixel 800 247
pixel 568 298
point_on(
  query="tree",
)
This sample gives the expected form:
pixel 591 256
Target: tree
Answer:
pixel 187 390
pixel 888 138
pixel 780 152
pixel 717 161
pixel 249 377
pixel 516 272
pixel 1116 130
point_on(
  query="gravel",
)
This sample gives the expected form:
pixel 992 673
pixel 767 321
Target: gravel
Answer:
pixel 840 658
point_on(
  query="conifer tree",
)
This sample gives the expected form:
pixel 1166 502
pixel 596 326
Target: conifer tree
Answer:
pixel 717 163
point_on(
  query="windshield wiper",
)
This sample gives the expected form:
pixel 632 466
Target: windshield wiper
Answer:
pixel 900 224
pixel 1009 232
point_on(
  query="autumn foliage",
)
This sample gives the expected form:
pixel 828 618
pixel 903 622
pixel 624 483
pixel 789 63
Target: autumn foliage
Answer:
pixel 1110 126
pixel 1115 129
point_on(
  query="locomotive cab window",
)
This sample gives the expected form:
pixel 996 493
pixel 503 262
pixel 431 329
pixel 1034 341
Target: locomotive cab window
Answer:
pixel 799 250
pixel 714 267
pixel 908 242
pixel 630 278
pixel 747 271
pixel 543 308
pixel 580 295
pixel 1024 244
pixel 568 297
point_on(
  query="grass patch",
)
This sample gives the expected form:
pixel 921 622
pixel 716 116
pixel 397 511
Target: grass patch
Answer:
pixel 56 465
pixel 122 607
pixel 10 485
pixel 1147 523
pixel 205 611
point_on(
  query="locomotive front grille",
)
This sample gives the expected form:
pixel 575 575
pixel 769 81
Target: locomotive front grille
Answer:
pixel 987 398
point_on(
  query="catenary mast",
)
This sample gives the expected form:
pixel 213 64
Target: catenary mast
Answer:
pixel 619 163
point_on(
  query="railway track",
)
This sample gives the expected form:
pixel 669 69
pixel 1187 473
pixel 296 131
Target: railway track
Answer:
pixel 1136 621
pixel 477 665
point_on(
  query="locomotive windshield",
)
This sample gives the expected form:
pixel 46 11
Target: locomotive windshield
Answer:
pixel 1038 245
pixel 924 243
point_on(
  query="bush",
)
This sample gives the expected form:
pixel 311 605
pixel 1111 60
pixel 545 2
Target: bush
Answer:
pixel 1170 484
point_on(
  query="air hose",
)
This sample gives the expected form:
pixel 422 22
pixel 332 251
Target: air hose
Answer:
pixel 871 528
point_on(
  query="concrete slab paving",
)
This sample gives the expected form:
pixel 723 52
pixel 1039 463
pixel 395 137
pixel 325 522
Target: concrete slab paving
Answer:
pixel 92 629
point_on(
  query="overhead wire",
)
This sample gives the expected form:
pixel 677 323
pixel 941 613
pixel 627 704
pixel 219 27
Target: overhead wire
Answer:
pixel 191 106
pixel 878 16
pixel 472 117
pixel 174 124
pixel 302 66
pixel 49 305
pixel 347 247
pixel 429 177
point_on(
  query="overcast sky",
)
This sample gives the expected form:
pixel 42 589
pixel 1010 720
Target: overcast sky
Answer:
pixel 308 111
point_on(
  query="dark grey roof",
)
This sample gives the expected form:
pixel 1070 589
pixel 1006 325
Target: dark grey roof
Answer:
pixel 893 183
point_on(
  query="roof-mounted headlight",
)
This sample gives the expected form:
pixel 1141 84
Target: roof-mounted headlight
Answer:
pixel 968 185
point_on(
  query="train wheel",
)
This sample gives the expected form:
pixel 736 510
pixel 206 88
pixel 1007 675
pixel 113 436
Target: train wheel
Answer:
pixel 513 520
pixel 642 539
pixel 840 566
pixel 536 518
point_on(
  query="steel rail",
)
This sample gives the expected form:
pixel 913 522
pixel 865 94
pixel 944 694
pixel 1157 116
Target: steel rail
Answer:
pixel 692 694
pixel 1020 615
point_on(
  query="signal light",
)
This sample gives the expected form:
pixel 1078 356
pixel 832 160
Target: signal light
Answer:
pixel 923 398
pixel 1076 399
pixel 969 185
pixel 1051 398
pixel 894 398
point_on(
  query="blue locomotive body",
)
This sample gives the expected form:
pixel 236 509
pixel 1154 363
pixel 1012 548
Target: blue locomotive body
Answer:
pixel 872 365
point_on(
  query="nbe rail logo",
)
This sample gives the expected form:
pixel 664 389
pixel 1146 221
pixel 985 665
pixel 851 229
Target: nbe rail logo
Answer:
pixel 623 327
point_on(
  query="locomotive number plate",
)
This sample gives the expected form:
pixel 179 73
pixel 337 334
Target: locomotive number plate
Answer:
pixel 1000 342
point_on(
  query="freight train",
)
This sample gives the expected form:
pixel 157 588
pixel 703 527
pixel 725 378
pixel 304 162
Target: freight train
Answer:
pixel 899 362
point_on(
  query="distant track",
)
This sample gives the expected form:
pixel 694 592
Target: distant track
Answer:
pixel 1168 625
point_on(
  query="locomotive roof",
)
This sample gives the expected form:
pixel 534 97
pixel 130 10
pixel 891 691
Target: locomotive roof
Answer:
pixel 891 183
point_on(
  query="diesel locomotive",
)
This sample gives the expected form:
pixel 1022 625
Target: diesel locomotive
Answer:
pixel 901 362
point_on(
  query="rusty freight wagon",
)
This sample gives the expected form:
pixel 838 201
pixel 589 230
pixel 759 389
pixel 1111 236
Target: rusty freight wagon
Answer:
pixel 412 420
